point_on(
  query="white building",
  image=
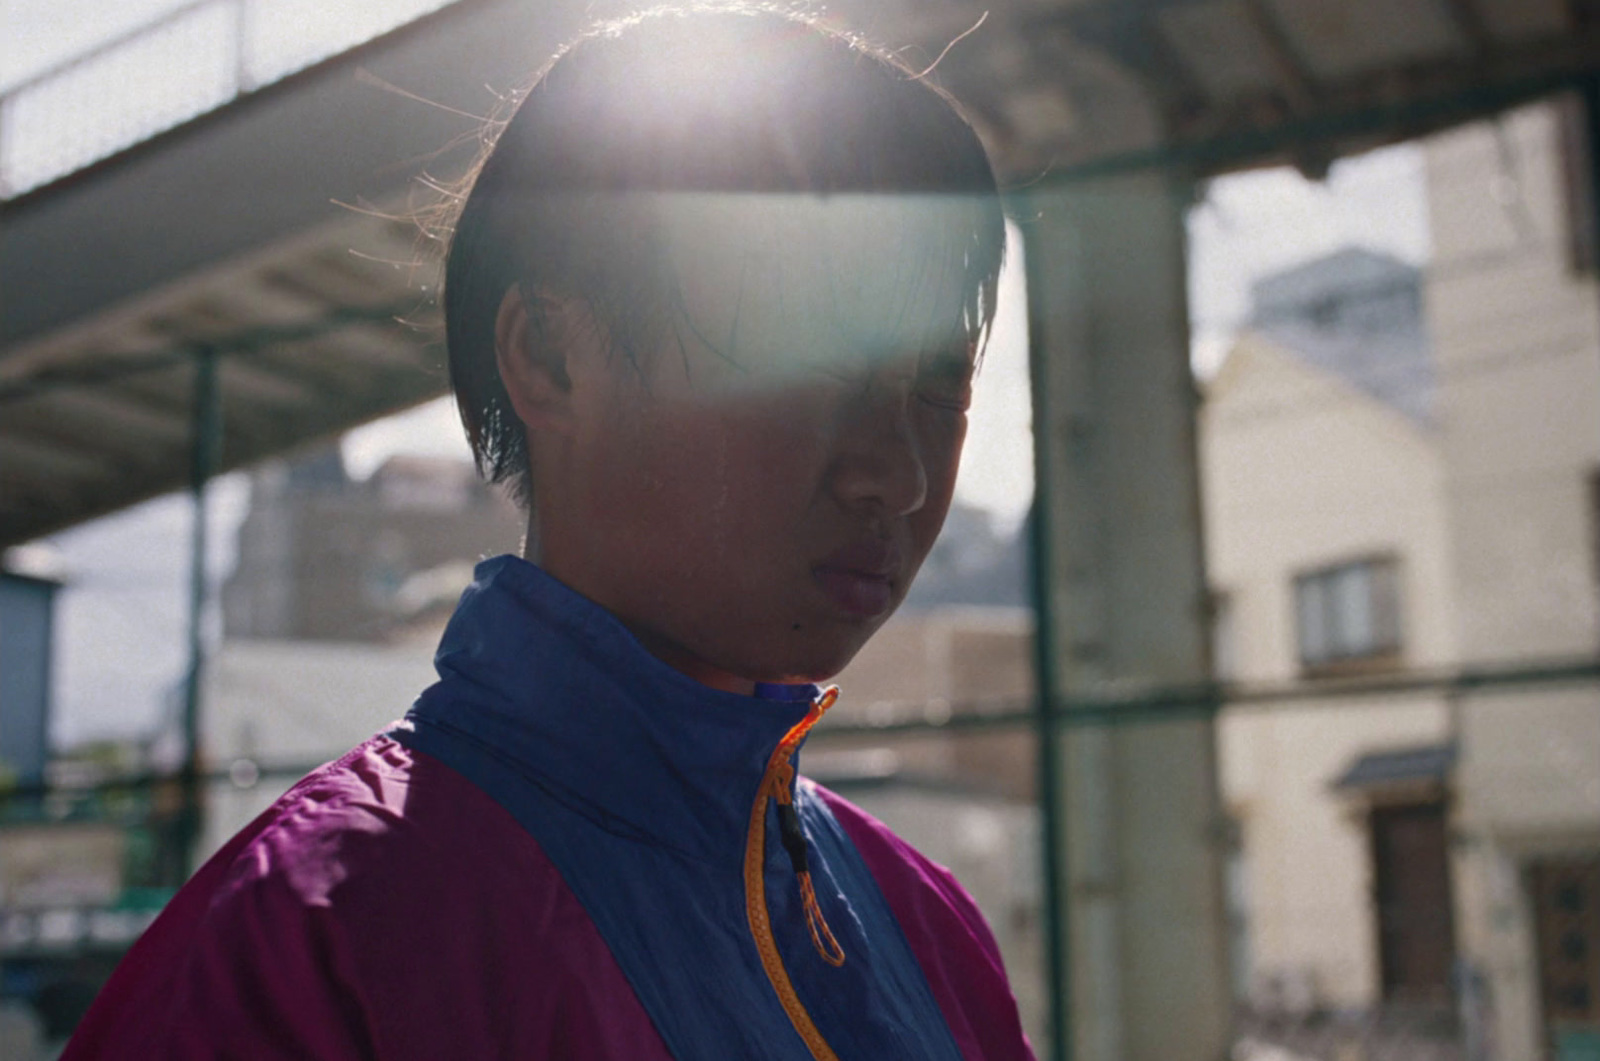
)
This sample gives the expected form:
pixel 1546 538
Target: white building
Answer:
pixel 1327 545
pixel 1515 316
pixel 1370 510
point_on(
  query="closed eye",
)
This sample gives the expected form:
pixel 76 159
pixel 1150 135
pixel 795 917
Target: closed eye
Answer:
pixel 945 380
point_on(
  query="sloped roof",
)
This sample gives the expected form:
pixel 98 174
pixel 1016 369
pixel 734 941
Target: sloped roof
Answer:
pixel 1403 766
pixel 1357 314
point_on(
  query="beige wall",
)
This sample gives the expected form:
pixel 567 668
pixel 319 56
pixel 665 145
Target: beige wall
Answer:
pixel 1301 471
pixel 1491 514
pixel 1517 335
pixel 1306 849
pixel 1517 338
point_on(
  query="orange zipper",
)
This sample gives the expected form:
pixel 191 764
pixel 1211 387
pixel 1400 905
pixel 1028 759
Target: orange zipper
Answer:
pixel 777 783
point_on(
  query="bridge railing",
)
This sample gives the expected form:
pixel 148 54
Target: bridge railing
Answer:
pixel 194 59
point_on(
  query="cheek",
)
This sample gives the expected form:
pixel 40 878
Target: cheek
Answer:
pixel 940 436
pixel 769 465
pixel 724 479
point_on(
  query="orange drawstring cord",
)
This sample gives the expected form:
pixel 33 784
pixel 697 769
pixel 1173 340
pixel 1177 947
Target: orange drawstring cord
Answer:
pixel 776 783
pixel 831 953
pixel 779 784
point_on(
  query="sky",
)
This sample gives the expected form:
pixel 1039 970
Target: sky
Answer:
pixel 121 630
pixel 1252 224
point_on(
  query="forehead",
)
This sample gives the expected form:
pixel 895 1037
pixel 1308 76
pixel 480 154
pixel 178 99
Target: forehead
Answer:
pixel 848 277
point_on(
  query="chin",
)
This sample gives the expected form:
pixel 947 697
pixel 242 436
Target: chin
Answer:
pixel 820 666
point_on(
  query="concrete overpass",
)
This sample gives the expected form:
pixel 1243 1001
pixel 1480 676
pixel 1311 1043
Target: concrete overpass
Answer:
pixel 217 246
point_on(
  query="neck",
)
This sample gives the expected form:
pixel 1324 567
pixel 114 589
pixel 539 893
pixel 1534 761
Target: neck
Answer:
pixel 673 655
pixel 530 536
pixel 686 663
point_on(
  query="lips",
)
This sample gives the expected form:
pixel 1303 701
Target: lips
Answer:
pixel 859 578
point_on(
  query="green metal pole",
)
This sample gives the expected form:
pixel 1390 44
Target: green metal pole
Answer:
pixel 1052 858
pixel 205 440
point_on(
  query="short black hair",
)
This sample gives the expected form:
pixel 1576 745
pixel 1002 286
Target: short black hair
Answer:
pixel 547 206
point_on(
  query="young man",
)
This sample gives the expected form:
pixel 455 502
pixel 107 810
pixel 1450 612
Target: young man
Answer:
pixel 713 303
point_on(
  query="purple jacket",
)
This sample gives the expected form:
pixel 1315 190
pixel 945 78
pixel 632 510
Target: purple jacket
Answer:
pixel 567 851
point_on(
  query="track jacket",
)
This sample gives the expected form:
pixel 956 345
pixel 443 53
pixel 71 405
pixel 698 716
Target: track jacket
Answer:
pixel 566 850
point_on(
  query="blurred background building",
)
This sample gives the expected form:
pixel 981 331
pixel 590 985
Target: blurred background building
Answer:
pixel 1399 471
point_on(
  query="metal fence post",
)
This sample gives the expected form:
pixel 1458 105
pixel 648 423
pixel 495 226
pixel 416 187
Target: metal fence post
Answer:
pixel 1052 858
pixel 205 441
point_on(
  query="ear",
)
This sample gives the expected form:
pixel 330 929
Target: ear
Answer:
pixel 532 367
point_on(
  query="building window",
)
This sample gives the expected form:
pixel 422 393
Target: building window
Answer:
pixel 1566 906
pixel 1349 614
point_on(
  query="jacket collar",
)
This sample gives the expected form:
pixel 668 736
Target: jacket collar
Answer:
pixel 560 688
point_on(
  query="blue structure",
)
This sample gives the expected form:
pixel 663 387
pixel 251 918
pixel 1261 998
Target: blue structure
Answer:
pixel 27 609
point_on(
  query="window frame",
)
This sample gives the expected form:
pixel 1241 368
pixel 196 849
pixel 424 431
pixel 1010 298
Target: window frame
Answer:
pixel 1343 650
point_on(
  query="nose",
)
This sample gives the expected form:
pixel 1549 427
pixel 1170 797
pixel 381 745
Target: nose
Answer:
pixel 880 466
